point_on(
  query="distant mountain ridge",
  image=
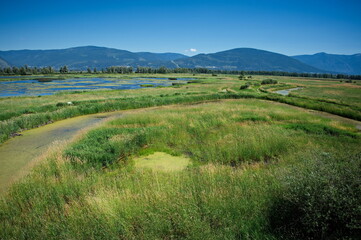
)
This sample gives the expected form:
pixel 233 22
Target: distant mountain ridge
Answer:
pixel 248 59
pixel 84 57
pixel 81 58
pixel 348 64
pixel 160 56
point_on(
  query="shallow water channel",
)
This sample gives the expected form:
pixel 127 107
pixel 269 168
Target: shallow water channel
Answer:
pixel 18 154
pixel 285 92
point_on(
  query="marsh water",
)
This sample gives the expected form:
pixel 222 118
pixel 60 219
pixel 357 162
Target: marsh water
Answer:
pixel 285 92
pixel 12 76
pixel 18 154
pixel 33 87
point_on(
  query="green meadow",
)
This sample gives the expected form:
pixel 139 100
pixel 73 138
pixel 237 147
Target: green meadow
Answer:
pixel 204 160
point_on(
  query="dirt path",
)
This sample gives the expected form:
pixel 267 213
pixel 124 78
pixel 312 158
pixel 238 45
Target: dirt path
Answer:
pixel 17 154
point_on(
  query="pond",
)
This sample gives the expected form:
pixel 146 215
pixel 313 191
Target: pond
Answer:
pixel 285 92
pixel 34 87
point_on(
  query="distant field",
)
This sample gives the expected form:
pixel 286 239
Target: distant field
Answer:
pixel 336 90
pixel 216 158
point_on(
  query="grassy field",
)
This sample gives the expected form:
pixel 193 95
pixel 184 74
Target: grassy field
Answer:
pixel 210 162
pixel 17 114
pixel 338 91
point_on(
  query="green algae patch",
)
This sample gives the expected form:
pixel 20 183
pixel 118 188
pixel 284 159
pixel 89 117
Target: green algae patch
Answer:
pixel 160 161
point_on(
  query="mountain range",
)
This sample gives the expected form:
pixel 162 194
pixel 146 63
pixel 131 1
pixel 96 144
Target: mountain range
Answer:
pixel 84 57
pixel 80 58
pixel 246 59
pixel 348 64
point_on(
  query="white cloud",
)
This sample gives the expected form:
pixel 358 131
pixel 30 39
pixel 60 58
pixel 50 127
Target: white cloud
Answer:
pixel 191 50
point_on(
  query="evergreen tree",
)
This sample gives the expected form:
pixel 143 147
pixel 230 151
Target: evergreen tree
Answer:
pixel 22 71
pixel 15 70
pixel 63 69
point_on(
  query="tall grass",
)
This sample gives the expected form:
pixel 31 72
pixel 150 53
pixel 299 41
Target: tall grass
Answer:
pixel 239 150
pixel 319 199
pixel 211 202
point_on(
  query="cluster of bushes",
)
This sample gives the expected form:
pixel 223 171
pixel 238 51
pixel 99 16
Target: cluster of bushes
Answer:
pixel 269 81
pixel 245 86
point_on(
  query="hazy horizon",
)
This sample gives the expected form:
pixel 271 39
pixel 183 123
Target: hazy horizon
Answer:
pixel 186 27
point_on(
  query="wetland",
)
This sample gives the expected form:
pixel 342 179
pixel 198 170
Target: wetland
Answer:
pixel 200 160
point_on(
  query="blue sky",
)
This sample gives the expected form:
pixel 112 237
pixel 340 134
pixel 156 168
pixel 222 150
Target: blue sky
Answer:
pixel 288 27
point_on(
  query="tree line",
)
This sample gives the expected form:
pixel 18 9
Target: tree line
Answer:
pixel 26 70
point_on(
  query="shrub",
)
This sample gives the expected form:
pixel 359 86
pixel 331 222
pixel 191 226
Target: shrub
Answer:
pixel 177 84
pixel 60 104
pixel 99 150
pixel 319 200
pixel 269 81
pixel 245 86
pixel 195 81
